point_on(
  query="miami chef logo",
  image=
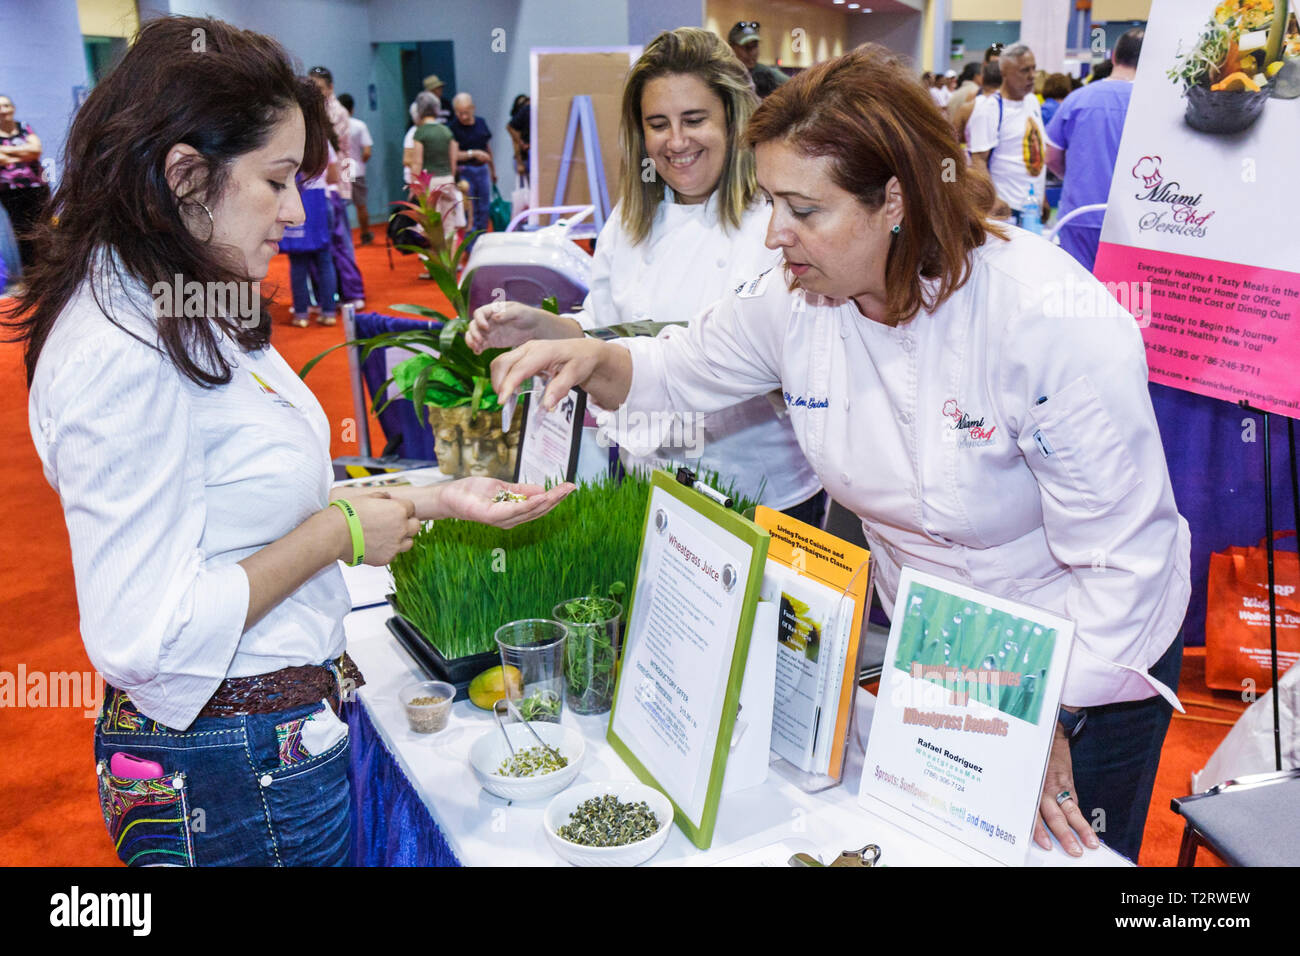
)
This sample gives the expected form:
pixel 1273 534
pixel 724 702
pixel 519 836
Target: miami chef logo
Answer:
pixel 1175 210
pixel 969 431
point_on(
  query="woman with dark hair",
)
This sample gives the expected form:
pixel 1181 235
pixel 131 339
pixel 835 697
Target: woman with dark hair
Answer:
pixel 688 228
pixel 984 429
pixel 1055 89
pixel 193 464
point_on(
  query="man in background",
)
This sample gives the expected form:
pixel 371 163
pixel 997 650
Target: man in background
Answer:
pixel 941 91
pixel 1083 143
pixel 474 161
pixel 359 145
pixel 338 116
pixel 970 88
pixel 433 85
pixel 1006 136
pixel 744 43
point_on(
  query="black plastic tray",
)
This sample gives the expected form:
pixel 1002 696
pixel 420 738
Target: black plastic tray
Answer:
pixel 458 671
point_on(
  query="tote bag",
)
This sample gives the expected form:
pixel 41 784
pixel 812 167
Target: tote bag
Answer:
pixel 314 233
pixel 1237 637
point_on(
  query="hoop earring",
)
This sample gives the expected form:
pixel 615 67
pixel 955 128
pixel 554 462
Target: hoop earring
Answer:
pixel 898 227
pixel 212 223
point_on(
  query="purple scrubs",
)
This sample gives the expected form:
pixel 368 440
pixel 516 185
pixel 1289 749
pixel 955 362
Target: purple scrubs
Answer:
pixel 1087 127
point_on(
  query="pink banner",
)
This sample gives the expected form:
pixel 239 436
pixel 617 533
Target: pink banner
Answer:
pixel 1220 329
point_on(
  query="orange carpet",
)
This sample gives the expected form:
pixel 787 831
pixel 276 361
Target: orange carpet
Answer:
pixel 49 808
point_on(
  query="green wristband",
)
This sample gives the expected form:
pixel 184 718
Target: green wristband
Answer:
pixel 354 528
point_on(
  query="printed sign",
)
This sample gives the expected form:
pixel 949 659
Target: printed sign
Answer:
pixel 1196 215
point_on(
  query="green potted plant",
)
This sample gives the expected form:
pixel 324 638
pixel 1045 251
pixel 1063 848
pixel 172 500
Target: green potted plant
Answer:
pixel 447 382
pixel 591 650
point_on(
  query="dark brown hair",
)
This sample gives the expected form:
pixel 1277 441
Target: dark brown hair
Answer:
pixel 866 112
pixel 1056 87
pixel 187 80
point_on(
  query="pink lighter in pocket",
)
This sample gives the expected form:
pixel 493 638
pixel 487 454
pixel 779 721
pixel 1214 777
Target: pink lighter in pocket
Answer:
pixel 133 768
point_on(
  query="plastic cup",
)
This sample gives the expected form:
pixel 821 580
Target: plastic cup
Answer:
pixel 430 717
pixel 535 648
pixel 591 658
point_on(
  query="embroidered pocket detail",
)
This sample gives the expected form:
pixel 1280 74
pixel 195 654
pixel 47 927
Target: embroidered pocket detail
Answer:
pixel 292 749
pixel 306 737
pixel 122 716
pixel 148 820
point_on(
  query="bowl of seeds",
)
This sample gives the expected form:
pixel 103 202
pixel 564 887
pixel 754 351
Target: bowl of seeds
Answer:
pixel 428 705
pixel 527 770
pixel 608 824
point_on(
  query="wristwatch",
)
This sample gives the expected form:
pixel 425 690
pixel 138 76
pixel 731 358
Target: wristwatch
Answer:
pixel 1071 722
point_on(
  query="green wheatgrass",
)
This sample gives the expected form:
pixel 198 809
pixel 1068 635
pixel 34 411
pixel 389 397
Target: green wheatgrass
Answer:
pixel 984 639
pixel 462 580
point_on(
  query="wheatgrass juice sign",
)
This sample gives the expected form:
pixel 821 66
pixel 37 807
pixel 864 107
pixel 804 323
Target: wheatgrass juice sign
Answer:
pixel 965 716
pixel 1199 207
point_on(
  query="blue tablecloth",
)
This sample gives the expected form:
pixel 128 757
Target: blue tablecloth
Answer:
pixel 391 826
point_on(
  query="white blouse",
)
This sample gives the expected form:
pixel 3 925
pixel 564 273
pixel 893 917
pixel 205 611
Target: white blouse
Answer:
pixel 999 441
pixel 165 486
pixel 687 263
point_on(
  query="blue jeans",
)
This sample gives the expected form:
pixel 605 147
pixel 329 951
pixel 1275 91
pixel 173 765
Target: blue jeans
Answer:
pixel 1115 757
pixel 254 790
pixel 321 262
pixel 480 189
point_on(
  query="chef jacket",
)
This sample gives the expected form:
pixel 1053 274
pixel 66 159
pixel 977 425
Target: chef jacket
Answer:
pixel 166 486
pixel 688 262
pixel 1004 440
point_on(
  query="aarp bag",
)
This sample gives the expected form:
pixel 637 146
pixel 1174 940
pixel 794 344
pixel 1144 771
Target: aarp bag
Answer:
pixel 1237 618
pixel 314 233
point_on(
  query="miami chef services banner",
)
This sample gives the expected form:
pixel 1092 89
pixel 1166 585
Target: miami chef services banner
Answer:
pixel 1199 225
pixel 965 716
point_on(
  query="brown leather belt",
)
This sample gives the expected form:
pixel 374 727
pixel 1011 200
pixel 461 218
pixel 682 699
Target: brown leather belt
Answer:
pixel 285 688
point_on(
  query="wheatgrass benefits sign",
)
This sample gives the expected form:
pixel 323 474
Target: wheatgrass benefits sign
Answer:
pixel 965 715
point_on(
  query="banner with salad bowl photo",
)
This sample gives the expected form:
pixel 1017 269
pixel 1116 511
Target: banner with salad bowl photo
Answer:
pixel 1197 243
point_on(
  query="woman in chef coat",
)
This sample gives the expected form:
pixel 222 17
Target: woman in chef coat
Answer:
pixel 688 230
pixel 944 391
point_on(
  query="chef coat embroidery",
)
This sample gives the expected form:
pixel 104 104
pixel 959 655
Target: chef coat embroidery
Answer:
pixel 805 401
pixel 968 431
pixel 268 390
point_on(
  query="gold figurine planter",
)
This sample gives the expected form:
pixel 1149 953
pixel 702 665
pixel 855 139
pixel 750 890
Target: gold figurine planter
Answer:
pixel 474 444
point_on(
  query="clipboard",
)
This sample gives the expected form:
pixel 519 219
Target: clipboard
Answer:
pixel 684 535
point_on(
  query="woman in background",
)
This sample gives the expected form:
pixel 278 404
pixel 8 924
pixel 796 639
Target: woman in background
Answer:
pixel 23 190
pixel 687 231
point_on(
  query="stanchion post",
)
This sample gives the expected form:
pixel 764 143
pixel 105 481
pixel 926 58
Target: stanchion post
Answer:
pixel 359 407
pixel 1272 592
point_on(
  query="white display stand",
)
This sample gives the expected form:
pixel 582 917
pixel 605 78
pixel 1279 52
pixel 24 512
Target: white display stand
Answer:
pixel 747 764
pixel 754 826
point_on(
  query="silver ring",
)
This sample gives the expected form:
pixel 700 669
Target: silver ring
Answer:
pixel 1063 796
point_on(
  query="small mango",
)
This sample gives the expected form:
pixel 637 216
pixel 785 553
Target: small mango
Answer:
pixel 490 686
pixel 1235 83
